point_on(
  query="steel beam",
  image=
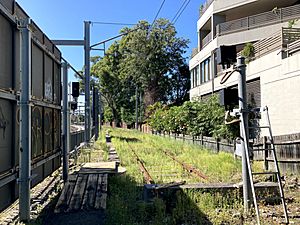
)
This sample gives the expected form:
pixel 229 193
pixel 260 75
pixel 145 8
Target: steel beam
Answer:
pixel 69 42
pixel 8 96
pixel 66 123
pixel 87 114
pixel 25 122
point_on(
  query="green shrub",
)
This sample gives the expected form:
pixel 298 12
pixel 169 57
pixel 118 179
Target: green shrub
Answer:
pixel 194 118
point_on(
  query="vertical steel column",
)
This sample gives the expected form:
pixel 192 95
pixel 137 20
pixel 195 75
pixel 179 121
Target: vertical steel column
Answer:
pixel 25 122
pixel 66 123
pixel 87 120
pixel 136 109
pixel 96 109
pixel 242 95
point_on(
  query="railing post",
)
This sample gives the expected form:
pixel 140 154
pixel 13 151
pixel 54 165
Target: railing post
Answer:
pixel 25 122
pixel 248 23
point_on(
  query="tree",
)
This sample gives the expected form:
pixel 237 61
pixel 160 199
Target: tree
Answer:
pixel 147 58
pixel 153 55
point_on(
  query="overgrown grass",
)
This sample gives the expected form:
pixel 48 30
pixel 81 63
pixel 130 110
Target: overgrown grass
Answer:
pixel 125 202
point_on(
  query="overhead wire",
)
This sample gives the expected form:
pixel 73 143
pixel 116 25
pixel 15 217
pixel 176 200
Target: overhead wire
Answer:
pixel 161 5
pixel 185 5
pixel 182 5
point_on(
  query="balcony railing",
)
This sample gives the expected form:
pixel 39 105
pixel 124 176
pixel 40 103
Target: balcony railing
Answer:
pixel 259 20
pixel 207 39
pixel 279 40
pixel 194 52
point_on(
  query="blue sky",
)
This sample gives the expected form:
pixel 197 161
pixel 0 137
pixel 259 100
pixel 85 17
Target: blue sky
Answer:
pixel 63 19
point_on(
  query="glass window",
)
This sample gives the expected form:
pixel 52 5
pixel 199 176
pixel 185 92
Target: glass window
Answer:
pixel 205 70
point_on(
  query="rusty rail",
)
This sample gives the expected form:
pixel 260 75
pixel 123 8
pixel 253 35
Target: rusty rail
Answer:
pixel 147 177
pixel 191 169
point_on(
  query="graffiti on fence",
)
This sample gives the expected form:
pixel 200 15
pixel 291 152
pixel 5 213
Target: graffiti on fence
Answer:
pixel 3 122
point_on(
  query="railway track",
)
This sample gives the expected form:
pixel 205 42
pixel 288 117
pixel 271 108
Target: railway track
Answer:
pixel 191 169
pixel 147 177
pixel 187 167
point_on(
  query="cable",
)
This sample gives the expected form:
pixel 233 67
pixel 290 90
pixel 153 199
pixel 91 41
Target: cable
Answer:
pixel 162 4
pixel 181 11
pixel 227 75
pixel 178 10
pixel 113 23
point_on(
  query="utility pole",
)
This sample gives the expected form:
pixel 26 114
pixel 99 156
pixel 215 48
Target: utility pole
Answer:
pixel 87 114
pixel 242 95
pixel 66 123
pixel 25 122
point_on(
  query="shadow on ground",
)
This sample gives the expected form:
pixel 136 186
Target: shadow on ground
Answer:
pixel 126 206
pixel 75 218
pixel 127 139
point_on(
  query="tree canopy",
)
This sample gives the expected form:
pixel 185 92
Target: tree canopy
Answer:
pixel 149 58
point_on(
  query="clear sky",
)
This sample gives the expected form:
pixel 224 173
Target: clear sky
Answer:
pixel 63 19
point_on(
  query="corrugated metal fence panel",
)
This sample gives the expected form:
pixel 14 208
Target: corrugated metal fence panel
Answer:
pixel 48 131
pixel 19 12
pixel 7 192
pixel 6 56
pixel 37 72
pixel 6 131
pixel 46 121
pixel 8 4
pixel 48 78
pixel 37 132
pixel 57 128
pixel 56 84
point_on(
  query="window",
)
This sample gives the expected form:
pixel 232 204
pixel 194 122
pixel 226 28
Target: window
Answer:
pixel 195 77
pixel 205 70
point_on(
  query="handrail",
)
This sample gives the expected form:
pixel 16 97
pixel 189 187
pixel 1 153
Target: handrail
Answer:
pixel 279 40
pixel 259 20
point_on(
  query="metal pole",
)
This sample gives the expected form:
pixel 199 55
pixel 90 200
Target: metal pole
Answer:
pixel 242 95
pixel 87 121
pixel 96 108
pixel 66 123
pixel 100 110
pixel 136 109
pixel 25 122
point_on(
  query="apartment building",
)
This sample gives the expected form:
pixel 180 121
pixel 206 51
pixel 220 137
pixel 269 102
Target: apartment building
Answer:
pixel 269 27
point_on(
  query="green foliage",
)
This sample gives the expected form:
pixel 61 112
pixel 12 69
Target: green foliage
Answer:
pixel 108 115
pixel 125 205
pixel 194 118
pixel 248 51
pixel 148 57
pixel 291 23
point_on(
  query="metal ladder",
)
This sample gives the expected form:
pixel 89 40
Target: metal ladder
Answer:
pixel 276 171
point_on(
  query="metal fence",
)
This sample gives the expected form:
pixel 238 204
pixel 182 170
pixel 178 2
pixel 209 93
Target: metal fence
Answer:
pixel 45 110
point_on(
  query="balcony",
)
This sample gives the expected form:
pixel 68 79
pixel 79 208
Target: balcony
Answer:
pixel 263 19
pixel 285 39
pixel 206 40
